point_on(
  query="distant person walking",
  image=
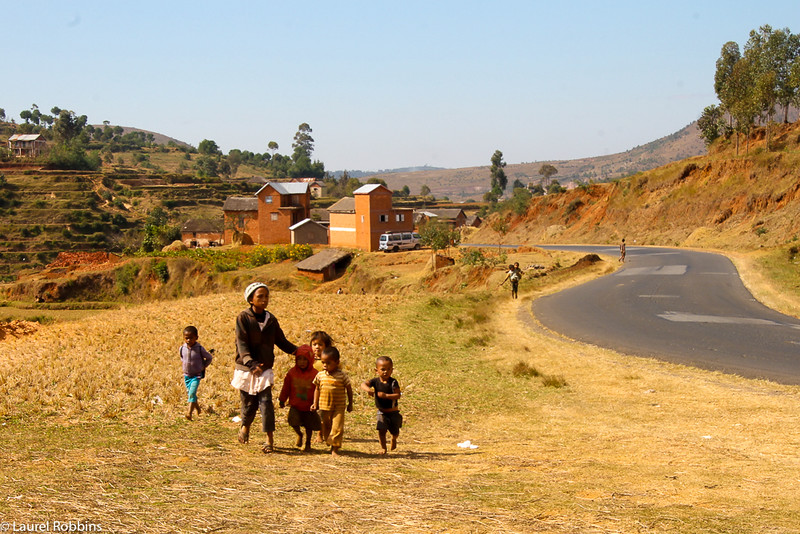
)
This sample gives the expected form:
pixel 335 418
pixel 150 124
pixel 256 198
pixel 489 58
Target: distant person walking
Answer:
pixel 514 275
pixel 195 359
pixel 622 251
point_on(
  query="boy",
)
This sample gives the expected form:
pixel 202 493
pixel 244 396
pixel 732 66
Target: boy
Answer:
pixel 386 391
pixel 333 386
pixel 298 389
pixel 195 360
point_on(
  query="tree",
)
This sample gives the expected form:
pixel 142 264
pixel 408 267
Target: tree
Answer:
pixel 729 55
pixel 237 224
pixel 272 146
pixel 208 147
pixel 500 225
pixel 303 144
pixel 405 191
pixel 710 124
pixel 547 171
pixel 2 114
pixel 424 191
pixel 68 126
pixel 438 236
pixel 499 181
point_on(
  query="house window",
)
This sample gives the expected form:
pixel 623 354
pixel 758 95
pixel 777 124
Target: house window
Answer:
pixel 384 218
pixel 268 200
pixel 400 217
pixel 273 216
pixel 362 218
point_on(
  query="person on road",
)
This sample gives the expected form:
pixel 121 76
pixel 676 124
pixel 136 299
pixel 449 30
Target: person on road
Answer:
pixel 622 251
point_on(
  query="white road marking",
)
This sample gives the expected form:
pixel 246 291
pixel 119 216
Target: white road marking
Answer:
pixel 664 270
pixel 683 317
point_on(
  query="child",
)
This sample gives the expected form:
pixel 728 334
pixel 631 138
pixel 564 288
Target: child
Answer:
pixel 514 274
pixel 319 341
pixel 257 333
pixel 298 389
pixel 195 360
pixel 329 398
pixel 386 391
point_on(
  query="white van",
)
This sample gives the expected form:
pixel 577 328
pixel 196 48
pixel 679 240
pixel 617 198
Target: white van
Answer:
pixel 394 241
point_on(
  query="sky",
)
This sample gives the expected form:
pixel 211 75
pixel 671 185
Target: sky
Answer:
pixel 382 85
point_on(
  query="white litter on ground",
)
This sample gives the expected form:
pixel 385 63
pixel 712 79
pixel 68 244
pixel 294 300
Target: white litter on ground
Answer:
pixel 237 419
pixel 467 445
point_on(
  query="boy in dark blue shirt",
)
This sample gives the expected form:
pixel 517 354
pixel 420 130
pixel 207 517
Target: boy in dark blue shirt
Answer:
pixel 386 391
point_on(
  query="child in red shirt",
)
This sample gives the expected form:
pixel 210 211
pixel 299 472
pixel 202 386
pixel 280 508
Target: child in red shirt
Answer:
pixel 298 389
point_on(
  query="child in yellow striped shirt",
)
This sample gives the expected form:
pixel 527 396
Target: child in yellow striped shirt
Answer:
pixel 332 392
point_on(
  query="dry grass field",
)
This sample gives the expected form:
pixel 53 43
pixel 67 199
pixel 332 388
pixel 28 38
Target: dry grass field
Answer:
pixel 571 438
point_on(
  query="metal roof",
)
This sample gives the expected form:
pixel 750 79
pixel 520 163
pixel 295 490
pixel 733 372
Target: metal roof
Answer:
pixel 26 137
pixel 287 188
pixel 369 188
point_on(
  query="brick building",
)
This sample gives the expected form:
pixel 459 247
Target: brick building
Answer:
pixel 266 219
pixel 359 221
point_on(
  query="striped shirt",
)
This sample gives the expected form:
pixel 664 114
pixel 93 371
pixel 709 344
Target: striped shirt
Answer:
pixel 332 390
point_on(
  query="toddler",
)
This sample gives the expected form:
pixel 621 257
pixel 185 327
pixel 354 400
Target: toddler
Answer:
pixel 298 389
pixel 333 387
pixel 386 391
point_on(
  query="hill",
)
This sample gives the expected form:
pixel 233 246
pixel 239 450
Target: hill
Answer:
pixel 470 183
pixel 721 200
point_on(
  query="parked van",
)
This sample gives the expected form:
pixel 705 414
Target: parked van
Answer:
pixel 394 241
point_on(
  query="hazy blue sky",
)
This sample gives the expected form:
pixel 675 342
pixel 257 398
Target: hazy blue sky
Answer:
pixel 382 84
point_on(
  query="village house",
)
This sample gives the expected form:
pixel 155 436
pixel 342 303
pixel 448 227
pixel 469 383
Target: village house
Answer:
pixel 324 265
pixel 26 145
pixel 359 221
pixel 454 217
pixel 266 219
pixel 201 233
pixel 309 232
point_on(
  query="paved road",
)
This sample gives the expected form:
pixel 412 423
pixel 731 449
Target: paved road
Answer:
pixel 680 306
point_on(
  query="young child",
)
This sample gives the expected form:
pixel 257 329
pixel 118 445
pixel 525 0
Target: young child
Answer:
pixel 257 333
pixel 319 341
pixel 333 386
pixel 298 389
pixel 386 391
pixel 195 360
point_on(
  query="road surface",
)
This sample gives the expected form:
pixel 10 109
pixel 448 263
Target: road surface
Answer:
pixel 680 306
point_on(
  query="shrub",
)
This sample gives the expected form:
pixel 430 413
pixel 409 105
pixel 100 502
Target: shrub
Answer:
pixel 126 276
pixel 554 381
pixel 521 369
pixel 161 271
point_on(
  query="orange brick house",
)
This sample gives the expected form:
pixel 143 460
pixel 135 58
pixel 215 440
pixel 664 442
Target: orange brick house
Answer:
pixel 359 221
pixel 266 219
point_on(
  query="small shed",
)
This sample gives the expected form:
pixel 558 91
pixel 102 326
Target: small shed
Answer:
pixel 324 265
pixel 308 232
pixel 474 221
pixel 196 232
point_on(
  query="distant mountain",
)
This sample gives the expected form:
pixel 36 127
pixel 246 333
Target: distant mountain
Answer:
pixel 470 183
pixel 362 174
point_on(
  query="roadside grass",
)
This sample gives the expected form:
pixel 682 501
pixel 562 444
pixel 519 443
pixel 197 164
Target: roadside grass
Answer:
pixel 773 276
pixel 92 427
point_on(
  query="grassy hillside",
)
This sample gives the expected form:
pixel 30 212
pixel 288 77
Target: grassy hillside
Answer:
pixel 721 200
pixel 473 182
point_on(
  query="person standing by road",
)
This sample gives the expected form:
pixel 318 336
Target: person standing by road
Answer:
pixel 622 251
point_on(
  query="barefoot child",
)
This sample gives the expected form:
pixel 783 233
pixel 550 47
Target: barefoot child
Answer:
pixel 333 387
pixel 257 333
pixel 320 341
pixel 386 391
pixel 195 360
pixel 298 389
